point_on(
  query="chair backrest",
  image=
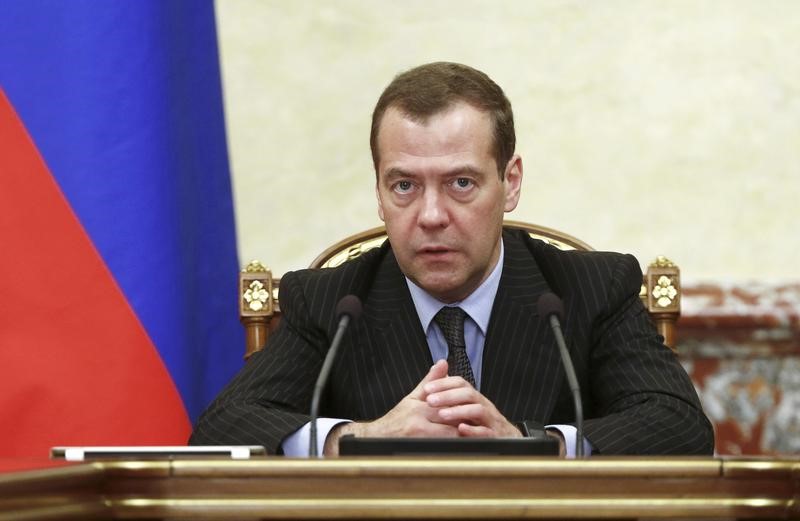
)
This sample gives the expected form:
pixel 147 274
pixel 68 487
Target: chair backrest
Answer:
pixel 259 307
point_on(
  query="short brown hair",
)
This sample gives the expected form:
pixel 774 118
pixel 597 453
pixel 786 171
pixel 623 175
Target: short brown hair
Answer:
pixel 432 88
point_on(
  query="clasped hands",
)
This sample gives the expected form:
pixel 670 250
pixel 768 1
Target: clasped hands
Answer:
pixel 440 406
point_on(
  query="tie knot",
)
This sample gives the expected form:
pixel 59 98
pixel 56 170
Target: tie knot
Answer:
pixel 451 322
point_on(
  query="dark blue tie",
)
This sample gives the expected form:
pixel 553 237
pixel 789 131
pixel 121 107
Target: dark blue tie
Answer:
pixel 451 322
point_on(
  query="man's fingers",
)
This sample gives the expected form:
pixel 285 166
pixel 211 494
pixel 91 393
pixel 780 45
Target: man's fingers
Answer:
pixel 437 371
pixel 409 418
pixel 475 431
pixel 454 396
pixel 445 383
pixel 473 413
pixel 433 430
pixel 483 415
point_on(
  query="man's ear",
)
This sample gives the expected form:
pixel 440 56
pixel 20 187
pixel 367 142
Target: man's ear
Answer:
pixel 512 182
pixel 380 203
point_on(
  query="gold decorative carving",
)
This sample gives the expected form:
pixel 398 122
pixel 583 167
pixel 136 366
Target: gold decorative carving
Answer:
pixel 256 295
pixel 662 262
pixel 352 252
pixel 254 267
pixel 664 292
pixel 561 245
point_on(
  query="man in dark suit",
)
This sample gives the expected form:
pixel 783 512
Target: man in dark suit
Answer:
pixel 451 285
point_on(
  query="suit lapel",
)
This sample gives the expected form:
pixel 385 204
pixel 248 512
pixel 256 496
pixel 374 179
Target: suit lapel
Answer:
pixel 521 372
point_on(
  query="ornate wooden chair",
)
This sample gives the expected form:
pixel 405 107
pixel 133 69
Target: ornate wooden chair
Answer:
pixel 259 307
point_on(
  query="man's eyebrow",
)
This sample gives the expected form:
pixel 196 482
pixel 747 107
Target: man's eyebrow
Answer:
pixel 466 170
pixel 395 172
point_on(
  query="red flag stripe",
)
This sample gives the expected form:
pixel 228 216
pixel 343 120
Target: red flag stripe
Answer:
pixel 76 366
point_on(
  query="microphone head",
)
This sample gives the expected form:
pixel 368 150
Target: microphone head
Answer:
pixel 549 304
pixel 350 305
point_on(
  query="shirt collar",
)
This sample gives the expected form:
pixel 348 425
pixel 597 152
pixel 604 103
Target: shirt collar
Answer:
pixel 478 305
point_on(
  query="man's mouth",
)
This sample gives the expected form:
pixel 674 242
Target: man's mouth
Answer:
pixel 434 252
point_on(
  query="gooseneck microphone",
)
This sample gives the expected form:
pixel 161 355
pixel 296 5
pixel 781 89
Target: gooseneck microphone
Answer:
pixel 347 310
pixel 551 307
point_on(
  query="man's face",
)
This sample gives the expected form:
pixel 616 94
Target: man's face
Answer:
pixel 442 199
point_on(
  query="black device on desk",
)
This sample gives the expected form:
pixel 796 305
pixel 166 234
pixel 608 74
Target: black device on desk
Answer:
pixel 350 445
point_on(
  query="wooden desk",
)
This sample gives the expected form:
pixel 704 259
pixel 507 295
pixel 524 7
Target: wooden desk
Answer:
pixel 430 488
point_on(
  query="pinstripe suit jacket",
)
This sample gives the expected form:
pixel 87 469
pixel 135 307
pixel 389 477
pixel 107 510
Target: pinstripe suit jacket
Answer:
pixel 637 398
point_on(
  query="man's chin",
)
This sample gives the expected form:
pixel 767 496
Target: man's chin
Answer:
pixel 443 289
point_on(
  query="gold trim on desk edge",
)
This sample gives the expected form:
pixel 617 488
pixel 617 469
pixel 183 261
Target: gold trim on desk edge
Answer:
pixel 436 507
pixel 449 466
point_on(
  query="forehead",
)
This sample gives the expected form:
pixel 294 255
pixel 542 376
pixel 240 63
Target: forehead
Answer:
pixel 459 130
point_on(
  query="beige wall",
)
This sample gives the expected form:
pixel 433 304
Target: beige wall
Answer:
pixel 645 126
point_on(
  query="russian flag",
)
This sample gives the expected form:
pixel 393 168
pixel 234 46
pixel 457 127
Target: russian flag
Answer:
pixel 118 266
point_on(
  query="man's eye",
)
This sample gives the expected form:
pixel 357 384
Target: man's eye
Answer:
pixel 463 183
pixel 403 186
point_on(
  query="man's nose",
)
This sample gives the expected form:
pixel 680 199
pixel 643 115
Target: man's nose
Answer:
pixel 434 212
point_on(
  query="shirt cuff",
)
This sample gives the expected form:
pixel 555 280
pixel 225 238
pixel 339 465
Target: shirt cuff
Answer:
pixel 296 444
pixel 569 432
